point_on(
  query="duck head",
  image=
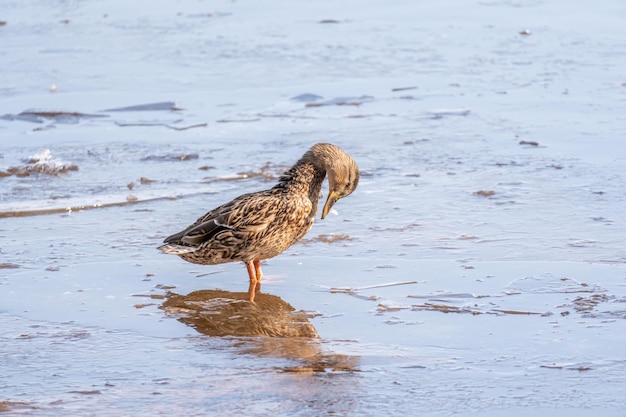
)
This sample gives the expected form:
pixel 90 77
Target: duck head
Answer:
pixel 343 178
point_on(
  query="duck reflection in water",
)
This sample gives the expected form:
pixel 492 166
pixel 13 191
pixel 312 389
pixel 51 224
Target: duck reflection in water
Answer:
pixel 269 327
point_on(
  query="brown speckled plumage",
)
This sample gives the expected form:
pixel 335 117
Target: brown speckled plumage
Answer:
pixel 261 225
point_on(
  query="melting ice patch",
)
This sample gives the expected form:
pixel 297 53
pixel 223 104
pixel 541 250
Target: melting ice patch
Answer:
pixel 43 163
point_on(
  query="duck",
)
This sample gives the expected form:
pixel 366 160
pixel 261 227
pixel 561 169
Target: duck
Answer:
pixel 261 225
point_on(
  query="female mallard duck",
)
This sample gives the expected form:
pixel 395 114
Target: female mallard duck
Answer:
pixel 261 225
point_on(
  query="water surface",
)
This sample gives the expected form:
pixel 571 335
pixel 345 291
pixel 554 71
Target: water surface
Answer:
pixel 479 269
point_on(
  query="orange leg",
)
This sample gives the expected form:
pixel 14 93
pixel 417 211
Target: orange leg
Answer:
pixel 257 270
pixel 255 274
pixel 251 272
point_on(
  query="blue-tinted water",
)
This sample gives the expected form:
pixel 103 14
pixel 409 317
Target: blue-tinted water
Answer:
pixel 477 270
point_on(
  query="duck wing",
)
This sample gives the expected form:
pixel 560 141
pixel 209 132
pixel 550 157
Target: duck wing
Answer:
pixel 247 214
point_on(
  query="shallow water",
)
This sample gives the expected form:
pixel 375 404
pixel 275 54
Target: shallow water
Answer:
pixel 479 269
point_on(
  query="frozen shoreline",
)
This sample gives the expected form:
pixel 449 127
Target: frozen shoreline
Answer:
pixel 492 163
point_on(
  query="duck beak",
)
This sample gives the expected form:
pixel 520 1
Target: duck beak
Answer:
pixel 330 201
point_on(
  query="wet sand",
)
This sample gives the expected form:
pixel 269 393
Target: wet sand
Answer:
pixel 479 268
